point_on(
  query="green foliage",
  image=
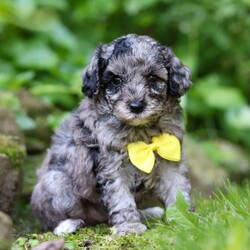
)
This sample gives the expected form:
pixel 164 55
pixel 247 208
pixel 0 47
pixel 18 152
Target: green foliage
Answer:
pixel 224 222
pixel 45 44
pixel 180 213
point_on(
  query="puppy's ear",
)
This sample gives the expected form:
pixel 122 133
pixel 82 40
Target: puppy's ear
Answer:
pixel 92 73
pixel 179 74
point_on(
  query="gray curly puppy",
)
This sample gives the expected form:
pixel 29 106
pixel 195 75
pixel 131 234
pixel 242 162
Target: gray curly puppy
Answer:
pixel 132 89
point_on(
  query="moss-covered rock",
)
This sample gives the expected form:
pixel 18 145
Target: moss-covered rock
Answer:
pixel 32 105
pixel 8 125
pixel 13 148
pixel 12 155
pixel 7 184
pixel 205 174
pixel 5 231
pixel 230 156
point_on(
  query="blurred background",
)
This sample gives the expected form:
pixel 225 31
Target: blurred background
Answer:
pixel 45 45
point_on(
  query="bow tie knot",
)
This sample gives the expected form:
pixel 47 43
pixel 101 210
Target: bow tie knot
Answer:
pixel 142 155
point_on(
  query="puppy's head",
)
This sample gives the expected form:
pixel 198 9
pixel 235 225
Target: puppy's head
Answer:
pixel 136 76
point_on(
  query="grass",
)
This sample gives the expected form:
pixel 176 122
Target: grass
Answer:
pixel 220 222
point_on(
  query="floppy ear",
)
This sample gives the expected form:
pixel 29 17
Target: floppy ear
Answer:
pixel 179 74
pixel 92 73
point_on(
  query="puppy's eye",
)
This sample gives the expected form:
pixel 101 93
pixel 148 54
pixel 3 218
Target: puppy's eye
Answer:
pixel 156 83
pixel 114 84
pixel 116 81
pixel 153 78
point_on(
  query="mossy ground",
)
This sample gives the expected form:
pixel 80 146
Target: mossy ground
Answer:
pixel 220 222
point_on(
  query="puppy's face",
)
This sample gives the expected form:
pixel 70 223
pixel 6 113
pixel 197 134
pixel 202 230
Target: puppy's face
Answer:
pixel 135 84
pixel 135 75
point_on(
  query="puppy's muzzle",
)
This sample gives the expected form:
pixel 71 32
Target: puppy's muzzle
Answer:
pixel 137 106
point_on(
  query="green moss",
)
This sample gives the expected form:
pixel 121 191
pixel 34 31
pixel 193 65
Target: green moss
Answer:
pixel 99 237
pixel 5 245
pixel 11 146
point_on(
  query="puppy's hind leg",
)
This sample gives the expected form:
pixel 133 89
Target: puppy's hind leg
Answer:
pixel 56 205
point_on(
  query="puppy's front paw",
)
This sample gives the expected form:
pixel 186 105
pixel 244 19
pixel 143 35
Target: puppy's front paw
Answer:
pixel 152 212
pixel 126 227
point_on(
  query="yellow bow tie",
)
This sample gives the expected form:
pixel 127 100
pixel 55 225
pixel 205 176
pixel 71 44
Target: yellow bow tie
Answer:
pixel 142 156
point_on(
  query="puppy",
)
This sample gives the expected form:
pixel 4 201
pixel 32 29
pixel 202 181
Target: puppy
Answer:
pixel 91 174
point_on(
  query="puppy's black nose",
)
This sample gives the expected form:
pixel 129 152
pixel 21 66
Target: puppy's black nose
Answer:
pixel 137 106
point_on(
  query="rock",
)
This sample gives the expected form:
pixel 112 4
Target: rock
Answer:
pixel 32 105
pixel 5 231
pixel 234 159
pixel 38 138
pixel 205 175
pixel 8 125
pixel 12 155
pixel 13 148
pixel 51 245
pixel 7 185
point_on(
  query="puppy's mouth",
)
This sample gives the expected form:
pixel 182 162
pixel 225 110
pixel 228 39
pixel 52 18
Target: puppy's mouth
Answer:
pixel 137 120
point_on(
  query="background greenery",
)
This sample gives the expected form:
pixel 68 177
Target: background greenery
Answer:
pixel 45 44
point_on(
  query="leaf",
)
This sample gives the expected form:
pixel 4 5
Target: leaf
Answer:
pixel 10 101
pixel 180 214
pixel 61 36
pixel 21 241
pixel 47 88
pixel 60 5
pixel 216 95
pixel 35 55
pixel 25 122
pixel 96 9
pixel 54 120
pixel 21 79
pixel 24 14
pixel 133 7
pixel 27 7
pixel 62 95
pixel 224 97
pixel 69 245
pixel 238 118
pixel 33 242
